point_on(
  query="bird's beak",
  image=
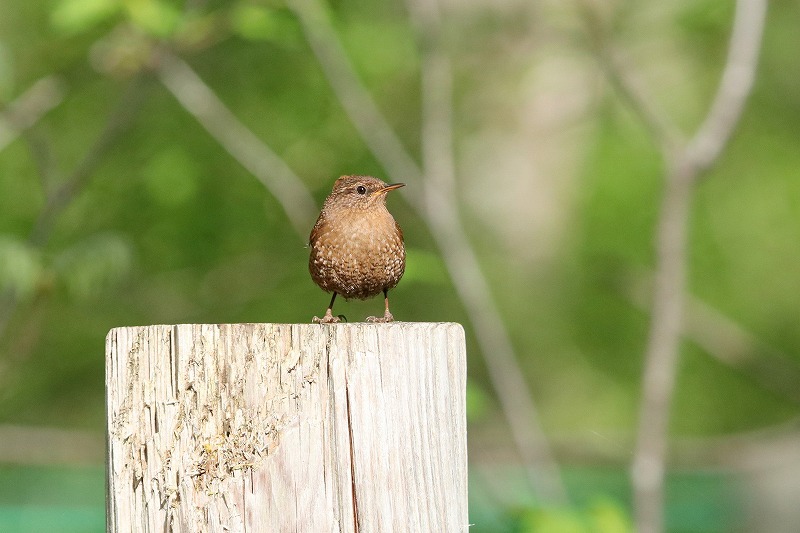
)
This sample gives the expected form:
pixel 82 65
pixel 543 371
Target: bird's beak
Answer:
pixel 391 187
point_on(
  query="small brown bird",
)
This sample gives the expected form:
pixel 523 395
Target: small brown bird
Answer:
pixel 356 245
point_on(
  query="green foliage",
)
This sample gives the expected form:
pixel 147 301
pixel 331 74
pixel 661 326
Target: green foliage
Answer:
pixel 424 266
pixel 478 402
pixel 77 16
pixel 154 17
pixel 6 73
pixel 20 267
pixel 706 22
pixel 93 266
pixel 258 23
pixel 555 521
pixel 381 48
pixel 600 516
pixel 171 177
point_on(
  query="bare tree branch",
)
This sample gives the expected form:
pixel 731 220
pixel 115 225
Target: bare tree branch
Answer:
pixel 683 169
pixel 735 85
pixel 685 162
pixel 116 124
pixel 661 357
pixel 438 208
pixel 42 156
pixel 620 75
pixel 727 341
pixel 441 213
pixel 364 113
pixel 733 345
pixel 243 145
pixel 59 197
pixel 26 110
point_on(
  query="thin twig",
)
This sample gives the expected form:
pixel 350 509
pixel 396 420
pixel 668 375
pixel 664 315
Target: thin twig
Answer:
pixel 727 341
pixel 357 101
pixel 59 197
pixel 735 85
pixel 240 142
pixel 29 107
pixel 43 158
pixel 442 215
pixel 619 74
pixel 117 123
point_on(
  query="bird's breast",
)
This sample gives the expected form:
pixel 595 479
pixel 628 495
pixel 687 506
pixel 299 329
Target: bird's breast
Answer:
pixel 357 256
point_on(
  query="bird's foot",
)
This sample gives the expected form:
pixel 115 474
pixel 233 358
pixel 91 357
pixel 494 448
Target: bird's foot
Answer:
pixel 387 317
pixel 327 319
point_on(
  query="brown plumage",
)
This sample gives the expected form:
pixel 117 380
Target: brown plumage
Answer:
pixel 356 245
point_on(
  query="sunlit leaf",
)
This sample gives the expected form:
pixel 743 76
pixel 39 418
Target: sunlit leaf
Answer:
pixel 553 520
pixel 602 516
pixel 75 16
pixel 153 16
pixel 609 517
pixel 198 30
pixel 258 23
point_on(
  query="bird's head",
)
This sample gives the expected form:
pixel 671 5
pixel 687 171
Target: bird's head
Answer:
pixel 359 192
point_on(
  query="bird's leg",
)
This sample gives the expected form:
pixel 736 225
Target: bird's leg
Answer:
pixel 387 316
pixel 328 318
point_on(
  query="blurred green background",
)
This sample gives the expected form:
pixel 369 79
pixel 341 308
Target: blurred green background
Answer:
pixel 118 208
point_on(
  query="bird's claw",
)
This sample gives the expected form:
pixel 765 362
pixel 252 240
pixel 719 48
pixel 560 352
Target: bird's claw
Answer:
pixel 327 319
pixel 387 317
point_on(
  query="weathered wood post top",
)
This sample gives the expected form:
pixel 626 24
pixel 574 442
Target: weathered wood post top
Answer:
pixel 287 427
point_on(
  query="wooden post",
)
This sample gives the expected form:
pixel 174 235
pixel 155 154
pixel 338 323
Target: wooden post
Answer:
pixel 287 427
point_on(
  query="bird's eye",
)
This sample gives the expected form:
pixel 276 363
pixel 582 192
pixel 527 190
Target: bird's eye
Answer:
pixel 361 189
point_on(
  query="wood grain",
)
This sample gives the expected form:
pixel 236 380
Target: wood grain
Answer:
pixel 287 427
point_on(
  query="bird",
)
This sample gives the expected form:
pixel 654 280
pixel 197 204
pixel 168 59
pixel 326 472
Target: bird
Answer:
pixel 357 248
